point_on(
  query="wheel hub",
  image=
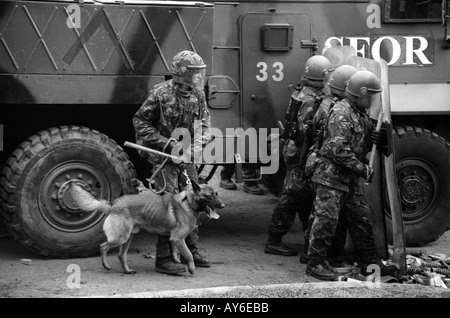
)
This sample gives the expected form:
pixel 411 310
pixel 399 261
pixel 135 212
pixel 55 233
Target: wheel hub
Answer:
pixel 65 200
pixel 418 185
pixel 55 199
pixel 413 190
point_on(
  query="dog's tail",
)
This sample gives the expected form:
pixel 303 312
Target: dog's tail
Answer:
pixel 87 202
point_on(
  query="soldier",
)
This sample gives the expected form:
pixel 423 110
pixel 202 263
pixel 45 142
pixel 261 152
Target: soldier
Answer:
pixel 175 103
pixel 296 196
pixel 337 83
pixel 338 179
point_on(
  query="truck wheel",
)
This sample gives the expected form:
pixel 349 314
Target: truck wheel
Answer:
pixel 35 203
pixel 423 176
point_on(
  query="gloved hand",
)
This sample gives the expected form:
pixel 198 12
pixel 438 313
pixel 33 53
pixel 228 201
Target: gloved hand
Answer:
pixel 175 148
pixel 367 173
pixel 170 146
pixel 379 137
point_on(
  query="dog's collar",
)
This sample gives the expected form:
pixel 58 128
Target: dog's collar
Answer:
pixel 184 196
pixel 194 206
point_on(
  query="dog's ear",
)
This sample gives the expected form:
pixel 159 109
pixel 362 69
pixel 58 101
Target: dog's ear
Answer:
pixel 195 186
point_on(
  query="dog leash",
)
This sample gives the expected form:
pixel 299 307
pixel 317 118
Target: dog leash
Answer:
pixel 150 180
pixel 188 180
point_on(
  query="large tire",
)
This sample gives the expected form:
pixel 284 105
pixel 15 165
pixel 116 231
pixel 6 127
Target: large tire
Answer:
pixel 38 210
pixel 423 175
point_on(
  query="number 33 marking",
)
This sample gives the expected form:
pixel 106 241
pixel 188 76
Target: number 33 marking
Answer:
pixel 262 76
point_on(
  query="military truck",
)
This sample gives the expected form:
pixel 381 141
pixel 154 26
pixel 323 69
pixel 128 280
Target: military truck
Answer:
pixel 73 73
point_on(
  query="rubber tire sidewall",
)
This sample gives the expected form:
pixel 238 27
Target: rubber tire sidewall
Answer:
pixel 94 148
pixel 414 142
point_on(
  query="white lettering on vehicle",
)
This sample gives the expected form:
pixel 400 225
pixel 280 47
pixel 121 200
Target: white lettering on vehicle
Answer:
pixel 396 50
pixel 263 71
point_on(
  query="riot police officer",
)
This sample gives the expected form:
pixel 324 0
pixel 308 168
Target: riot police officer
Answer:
pixel 173 104
pixel 337 82
pixel 296 197
pixel 338 179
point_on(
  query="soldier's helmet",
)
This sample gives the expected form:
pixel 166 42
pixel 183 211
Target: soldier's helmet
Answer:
pixel 317 68
pixel 362 83
pixel 341 76
pixel 188 68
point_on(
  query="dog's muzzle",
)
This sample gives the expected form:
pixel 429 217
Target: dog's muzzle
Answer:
pixel 211 212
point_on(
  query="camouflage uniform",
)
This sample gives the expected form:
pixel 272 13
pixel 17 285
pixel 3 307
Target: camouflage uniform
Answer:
pixel 319 125
pixel 296 196
pixel 166 108
pixel 339 190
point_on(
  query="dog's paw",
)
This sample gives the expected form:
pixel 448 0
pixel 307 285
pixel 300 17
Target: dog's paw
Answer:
pixel 176 258
pixel 130 271
pixel 106 266
pixel 192 270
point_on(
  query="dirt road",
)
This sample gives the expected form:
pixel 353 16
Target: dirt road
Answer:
pixel 234 243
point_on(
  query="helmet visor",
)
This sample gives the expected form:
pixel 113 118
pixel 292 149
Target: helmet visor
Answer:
pixel 194 78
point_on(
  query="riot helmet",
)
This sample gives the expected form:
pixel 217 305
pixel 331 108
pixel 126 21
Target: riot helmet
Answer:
pixel 188 69
pixel 317 68
pixel 362 83
pixel 339 79
pixel 363 88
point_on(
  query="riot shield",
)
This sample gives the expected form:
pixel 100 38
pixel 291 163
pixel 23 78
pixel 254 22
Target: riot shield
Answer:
pixel 399 243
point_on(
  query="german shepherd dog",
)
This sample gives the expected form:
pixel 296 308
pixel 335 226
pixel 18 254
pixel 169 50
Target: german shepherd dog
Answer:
pixel 169 214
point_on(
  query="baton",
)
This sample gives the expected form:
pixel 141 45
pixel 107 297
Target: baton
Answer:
pixel 374 146
pixel 139 147
pixel 280 126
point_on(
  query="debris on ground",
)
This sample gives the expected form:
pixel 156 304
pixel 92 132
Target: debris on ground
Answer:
pixel 421 268
pixel 26 261
pixel 430 270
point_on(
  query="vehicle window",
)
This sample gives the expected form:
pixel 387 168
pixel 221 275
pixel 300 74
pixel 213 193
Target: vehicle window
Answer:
pixel 413 11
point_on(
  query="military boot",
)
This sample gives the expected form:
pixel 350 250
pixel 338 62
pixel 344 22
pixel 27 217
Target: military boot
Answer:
pixel 192 242
pixel 226 182
pixel 252 188
pixel 385 270
pixel 199 260
pixel 322 271
pixel 274 245
pixel 163 261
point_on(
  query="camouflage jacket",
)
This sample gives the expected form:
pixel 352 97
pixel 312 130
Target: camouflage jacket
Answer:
pixel 345 147
pixel 299 124
pixel 165 109
pixel 308 96
pixel 319 120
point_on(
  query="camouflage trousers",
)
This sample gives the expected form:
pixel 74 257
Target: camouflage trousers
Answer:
pixel 174 181
pixel 337 249
pixel 295 199
pixel 330 205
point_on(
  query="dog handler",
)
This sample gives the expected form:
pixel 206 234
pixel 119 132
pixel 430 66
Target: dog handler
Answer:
pixel 173 104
